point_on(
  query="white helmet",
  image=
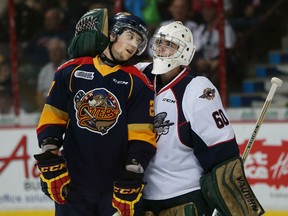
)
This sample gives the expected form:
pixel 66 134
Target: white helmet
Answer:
pixel 179 35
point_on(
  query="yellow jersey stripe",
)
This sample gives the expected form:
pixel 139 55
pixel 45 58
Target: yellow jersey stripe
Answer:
pixel 143 132
pixel 52 115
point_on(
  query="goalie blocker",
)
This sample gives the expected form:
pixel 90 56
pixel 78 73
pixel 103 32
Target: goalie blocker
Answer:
pixel 227 190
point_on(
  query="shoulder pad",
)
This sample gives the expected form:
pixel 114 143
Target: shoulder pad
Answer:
pixel 76 61
pixel 136 72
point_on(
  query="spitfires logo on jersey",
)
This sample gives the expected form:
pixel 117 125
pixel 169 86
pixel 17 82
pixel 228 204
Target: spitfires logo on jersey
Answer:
pixel 161 126
pixel 97 110
pixel 208 94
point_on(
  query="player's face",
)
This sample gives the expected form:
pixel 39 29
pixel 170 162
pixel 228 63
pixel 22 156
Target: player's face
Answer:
pixel 126 45
pixel 164 48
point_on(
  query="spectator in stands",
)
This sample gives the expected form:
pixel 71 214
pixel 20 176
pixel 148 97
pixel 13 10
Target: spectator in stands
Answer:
pixel 5 75
pixel 7 112
pixel 102 4
pixel 206 37
pixel 72 10
pixel 35 55
pixel 28 19
pixel 179 10
pixel 198 4
pixel 58 53
pixel 6 102
pixel 36 50
pixel 135 7
pixel 246 13
pixel 4 36
pixel 6 99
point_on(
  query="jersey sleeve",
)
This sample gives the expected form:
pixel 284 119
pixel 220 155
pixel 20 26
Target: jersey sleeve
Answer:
pixel 212 131
pixel 54 116
pixel 141 135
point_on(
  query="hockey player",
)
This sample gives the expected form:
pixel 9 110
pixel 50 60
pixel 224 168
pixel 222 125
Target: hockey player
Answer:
pixel 197 166
pixel 101 113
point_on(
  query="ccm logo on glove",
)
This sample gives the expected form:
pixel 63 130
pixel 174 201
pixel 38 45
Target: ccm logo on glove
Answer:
pixel 52 168
pixel 127 190
pixel 127 197
pixel 54 176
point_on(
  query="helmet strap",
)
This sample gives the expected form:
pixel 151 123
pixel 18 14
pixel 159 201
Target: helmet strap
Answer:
pixel 109 62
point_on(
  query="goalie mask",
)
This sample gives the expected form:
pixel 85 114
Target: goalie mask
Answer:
pixel 172 47
pixel 125 20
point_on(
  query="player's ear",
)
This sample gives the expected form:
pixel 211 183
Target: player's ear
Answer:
pixel 112 37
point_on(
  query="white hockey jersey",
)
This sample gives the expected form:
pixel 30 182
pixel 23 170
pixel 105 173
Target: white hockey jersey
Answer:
pixel 192 132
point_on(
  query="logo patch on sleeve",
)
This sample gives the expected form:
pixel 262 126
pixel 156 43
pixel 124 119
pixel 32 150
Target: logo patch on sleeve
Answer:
pixel 208 94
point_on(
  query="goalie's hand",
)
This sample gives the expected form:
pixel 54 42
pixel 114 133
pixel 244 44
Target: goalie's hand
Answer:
pixel 127 197
pixel 54 176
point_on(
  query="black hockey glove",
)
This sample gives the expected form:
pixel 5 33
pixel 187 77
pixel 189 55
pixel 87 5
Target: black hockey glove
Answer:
pixel 127 195
pixel 54 176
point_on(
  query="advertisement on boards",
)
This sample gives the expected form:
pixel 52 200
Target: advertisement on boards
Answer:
pixel 19 179
pixel 266 167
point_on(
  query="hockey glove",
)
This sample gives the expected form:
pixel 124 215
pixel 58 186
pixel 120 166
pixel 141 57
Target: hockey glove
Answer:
pixel 54 176
pixel 127 196
pixel 227 189
pixel 91 34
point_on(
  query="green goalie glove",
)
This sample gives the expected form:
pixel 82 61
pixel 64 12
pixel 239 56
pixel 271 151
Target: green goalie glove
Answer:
pixel 227 190
pixel 91 34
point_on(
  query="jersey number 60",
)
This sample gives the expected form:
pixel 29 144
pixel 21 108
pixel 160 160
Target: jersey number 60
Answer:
pixel 220 118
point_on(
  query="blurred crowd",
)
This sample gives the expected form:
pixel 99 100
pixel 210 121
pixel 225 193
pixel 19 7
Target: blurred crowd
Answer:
pixel 44 29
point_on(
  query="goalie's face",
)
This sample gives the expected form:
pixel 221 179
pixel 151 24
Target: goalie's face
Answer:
pixel 126 45
pixel 164 48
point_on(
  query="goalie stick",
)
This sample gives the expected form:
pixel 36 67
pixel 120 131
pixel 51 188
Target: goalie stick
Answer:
pixel 276 82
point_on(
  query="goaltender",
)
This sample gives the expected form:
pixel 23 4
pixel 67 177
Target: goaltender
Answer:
pixel 197 167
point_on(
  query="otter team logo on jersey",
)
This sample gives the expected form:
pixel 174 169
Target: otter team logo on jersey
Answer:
pixel 97 110
pixel 208 94
pixel 161 126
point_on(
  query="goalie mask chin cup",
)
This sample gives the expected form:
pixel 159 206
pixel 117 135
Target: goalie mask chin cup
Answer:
pixel 124 20
pixel 178 35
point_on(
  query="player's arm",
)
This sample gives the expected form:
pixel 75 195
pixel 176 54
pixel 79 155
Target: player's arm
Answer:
pixel 224 184
pixel 212 133
pixel 54 117
pixel 54 175
pixel 127 196
pixel 140 115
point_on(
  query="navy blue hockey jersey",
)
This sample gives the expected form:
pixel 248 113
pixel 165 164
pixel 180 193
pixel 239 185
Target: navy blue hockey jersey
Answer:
pixel 104 116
